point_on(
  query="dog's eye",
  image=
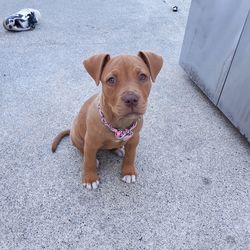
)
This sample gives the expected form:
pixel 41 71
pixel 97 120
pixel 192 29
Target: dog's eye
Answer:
pixel 142 77
pixel 111 81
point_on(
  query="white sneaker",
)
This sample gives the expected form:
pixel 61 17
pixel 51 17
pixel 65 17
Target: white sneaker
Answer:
pixel 25 19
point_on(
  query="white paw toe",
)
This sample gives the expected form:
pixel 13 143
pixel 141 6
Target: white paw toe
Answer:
pixel 132 178
pixel 120 152
pixel 93 185
pixel 97 163
pixel 129 178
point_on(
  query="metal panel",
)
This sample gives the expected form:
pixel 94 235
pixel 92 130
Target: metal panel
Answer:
pixel 212 33
pixel 235 97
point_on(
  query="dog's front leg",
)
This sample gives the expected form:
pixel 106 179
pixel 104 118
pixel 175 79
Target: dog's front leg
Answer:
pixel 128 165
pixel 89 174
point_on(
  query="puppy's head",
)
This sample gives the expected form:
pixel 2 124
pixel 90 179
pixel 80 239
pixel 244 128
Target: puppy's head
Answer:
pixel 126 80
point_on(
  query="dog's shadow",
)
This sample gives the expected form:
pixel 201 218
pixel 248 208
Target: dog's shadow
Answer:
pixel 109 164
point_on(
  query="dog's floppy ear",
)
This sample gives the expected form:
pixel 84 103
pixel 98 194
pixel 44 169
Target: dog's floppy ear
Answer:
pixel 95 64
pixel 153 61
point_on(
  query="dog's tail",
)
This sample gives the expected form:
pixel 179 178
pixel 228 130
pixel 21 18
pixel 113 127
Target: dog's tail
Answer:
pixel 58 138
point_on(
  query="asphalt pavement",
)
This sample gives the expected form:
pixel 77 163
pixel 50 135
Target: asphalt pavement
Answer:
pixel 193 186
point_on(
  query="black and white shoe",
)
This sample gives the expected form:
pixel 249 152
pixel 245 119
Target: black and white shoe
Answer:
pixel 25 19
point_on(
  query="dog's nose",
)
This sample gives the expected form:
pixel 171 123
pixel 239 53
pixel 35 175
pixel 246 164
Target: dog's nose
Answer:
pixel 130 99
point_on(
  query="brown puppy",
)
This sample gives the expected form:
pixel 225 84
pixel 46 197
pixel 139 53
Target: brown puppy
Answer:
pixel 113 118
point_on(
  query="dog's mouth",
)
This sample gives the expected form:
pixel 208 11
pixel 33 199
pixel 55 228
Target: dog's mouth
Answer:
pixel 133 114
pixel 129 112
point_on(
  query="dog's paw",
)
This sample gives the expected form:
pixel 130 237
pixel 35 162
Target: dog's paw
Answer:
pixel 92 185
pixel 128 178
pixel 119 152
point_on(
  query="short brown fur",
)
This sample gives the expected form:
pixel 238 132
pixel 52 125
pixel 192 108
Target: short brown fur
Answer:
pixel 88 133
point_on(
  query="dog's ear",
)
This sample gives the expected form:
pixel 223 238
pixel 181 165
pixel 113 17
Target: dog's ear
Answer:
pixel 95 64
pixel 153 61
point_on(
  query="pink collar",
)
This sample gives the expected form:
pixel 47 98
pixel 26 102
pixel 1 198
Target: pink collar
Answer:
pixel 123 135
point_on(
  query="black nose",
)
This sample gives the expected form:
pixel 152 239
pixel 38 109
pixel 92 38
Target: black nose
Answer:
pixel 130 99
